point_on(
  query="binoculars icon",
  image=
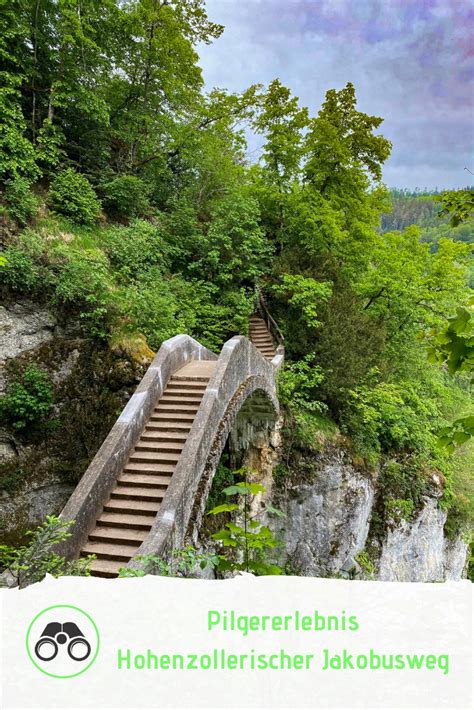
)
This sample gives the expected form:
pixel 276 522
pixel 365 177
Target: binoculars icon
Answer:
pixel 55 635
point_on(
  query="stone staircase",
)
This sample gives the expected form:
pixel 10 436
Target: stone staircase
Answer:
pixel 128 515
pixel 261 337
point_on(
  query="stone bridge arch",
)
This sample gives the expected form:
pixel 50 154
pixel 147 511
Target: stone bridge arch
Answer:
pixel 240 405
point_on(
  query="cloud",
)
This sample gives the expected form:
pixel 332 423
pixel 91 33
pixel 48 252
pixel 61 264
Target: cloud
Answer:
pixel 411 62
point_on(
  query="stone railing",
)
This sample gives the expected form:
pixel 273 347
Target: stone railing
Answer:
pixel 95 486
pixel 241 375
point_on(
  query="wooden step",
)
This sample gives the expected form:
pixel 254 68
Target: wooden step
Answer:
pixel 145 467
pixel 175 389
pixel 176 408
pixel 188 386
pixel 160 446
pixel 180 398
pixel 166 426
pixel 106 568
pixel 163 437
pixel 158 456
pixel 137 493
pixel 110 551
pixel 172 417
pixel 120 536
pixel 132 507
pixel 124 520
pixel 149 480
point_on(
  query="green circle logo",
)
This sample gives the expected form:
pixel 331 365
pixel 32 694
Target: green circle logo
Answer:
pixel 62 641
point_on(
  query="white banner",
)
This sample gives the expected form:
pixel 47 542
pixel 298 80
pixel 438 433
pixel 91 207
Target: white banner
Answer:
pixel 267 642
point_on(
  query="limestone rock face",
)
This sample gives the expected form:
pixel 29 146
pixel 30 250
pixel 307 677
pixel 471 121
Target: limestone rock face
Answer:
pixel 327 521
pixel 29 508
pixel 418 551
pixel 39 465
pixel 23 326
pixel 327 524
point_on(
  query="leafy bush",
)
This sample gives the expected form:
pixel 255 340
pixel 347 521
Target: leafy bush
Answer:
pixel 398 509
pixel 18 271
pixel 363 559
pixel 135 249
pixel 30 563
pixel 403 486
pixel 84 283
pixel 153 308
pixel 246 546
pixel 213 314
pixel 17 154
pixel 126 196
pixel 182 563
pixel 22 204
pixel 305 296
pixel 72 195
pixel 28 400
pixel 392 417
pixel 298 384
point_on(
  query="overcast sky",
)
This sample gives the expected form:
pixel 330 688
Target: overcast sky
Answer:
pixel 411 62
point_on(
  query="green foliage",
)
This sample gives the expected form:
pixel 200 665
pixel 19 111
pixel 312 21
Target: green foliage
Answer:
pixel 30 563
pixel 298 384
pixel 454 343
pixel 470 568
pixel 389 417
pixel 235 243
pixel 83 283
pixel 363 559
pixel 305 295
pixel 398 509
pixel 459 205
pixel 341 142
pixel 18 271
pixel 136 249
pixel 153 307
pixel 460 431
pixel 22 204
pixel 404 485
pixel 182 563
pixel 72 195
pixel 126 196
pixel 282 122
pixel 17 155
pixel 245 546
pixel 28 400
pixel 223 477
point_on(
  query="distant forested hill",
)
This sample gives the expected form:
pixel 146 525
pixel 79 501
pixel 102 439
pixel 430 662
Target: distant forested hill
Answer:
pixel 422 209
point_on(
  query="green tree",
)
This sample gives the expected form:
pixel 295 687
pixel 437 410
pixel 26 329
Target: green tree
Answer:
pixel 30 563
pixel 249 543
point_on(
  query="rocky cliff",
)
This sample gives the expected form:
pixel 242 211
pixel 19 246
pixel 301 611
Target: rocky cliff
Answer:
pixel 329 528
pixel 40 466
